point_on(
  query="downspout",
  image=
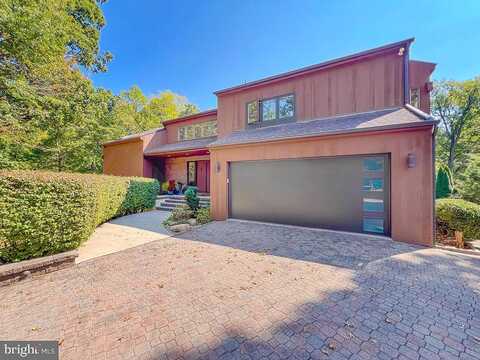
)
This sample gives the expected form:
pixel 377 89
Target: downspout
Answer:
pixel 406 79
pixel 434 137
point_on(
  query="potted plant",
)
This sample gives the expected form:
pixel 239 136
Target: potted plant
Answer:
pixel 171 187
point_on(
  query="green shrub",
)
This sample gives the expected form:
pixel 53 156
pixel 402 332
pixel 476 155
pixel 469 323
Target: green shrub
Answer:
pixel 165 187
pixel 191 197
pixel 470 185
pixel 43 213
pixel 203 216
pixel 459 215
pixel 444 184
pixel 179 215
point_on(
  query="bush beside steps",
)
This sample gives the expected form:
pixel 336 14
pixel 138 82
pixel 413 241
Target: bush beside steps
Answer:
pixel 45 213
pixel 184 217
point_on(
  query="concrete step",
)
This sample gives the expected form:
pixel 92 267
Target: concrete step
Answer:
pixel 182 201
pixel 161 197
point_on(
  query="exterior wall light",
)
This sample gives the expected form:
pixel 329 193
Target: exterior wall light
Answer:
pixel 411 160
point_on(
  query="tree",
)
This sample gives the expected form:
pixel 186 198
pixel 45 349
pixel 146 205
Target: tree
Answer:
pixel 457 106
pixel 444 185
pixel 470 181
pixel 136 112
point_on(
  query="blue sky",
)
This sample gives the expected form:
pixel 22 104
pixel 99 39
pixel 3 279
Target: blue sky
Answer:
pixel 197 47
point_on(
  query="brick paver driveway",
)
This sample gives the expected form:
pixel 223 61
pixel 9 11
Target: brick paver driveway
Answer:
pixel 236 290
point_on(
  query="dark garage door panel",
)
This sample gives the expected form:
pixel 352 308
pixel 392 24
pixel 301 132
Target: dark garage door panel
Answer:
pixel 323 192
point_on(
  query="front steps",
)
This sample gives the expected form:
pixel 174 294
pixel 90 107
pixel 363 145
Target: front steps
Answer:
pixel 170 202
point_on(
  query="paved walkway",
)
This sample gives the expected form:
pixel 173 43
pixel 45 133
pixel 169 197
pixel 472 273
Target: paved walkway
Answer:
pixel 219 293
pixel 123 233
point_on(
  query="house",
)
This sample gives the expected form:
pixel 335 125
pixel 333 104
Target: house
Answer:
pixel 346 144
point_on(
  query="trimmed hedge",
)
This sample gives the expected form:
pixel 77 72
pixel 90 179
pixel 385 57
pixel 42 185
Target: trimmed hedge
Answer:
pixel 460 215
pixel 44 213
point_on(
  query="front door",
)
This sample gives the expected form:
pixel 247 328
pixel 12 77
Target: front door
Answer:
pixel 203 175
pixel 198 173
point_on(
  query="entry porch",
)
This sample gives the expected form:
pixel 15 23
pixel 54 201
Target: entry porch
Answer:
pixel 185 168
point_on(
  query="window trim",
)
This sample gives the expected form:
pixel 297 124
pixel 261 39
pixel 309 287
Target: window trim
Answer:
pixel 419 97
pixel 260 122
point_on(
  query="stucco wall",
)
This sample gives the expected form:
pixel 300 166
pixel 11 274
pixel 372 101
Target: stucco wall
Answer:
pixel 411 188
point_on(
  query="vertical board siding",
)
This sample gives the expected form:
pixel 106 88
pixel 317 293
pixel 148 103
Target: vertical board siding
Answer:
pixel 370 84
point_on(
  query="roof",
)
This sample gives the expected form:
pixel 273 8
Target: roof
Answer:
pixel 305 70
pixel 132 137
pixel 181 146
pixel 192 116
pixel 400 117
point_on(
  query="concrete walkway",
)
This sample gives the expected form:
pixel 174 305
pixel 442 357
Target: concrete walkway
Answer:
pixel 123 233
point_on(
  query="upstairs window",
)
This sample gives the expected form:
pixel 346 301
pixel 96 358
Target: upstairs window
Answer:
pixel 197 131
pixel 252 112
pixel 280 108
pixel 415 97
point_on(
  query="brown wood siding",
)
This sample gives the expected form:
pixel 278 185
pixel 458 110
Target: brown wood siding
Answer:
pixel 411 188
pixel 419 75
pixel 124 159
pixel 370 84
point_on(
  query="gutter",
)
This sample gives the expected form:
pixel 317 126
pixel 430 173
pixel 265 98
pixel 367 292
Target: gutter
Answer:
pixel 330 133
pixel 406 75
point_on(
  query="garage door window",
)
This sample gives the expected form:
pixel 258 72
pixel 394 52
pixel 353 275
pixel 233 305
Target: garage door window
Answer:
pixel 373 225
pixel 373 184
pixel 373 203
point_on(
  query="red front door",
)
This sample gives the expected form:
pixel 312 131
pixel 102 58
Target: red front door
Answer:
pixel 203 176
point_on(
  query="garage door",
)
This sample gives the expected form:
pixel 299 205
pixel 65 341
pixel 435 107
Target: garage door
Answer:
pixel 349 193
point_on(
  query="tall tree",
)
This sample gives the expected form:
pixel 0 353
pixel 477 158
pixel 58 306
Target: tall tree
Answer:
pixel 457 106
pixel 136 112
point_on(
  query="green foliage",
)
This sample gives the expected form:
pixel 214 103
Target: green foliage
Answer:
pixel 51 116
pixel 165 186
pixel 203 216
pixel 458 215
pixel 135 112
pixel 179 215
pixel 43 213
pixel 470 181
pixel 191 197
pixel 457 105
pixel 443 186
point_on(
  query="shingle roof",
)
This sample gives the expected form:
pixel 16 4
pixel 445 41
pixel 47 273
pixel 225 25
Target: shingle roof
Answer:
pixel 374 120
pixel 182 146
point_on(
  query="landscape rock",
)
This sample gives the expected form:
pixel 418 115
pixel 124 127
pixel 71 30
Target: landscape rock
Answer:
pixel 180 228
pixel 192 222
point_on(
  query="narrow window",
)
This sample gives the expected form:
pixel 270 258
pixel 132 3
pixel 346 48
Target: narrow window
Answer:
pixel 415 97
pixel 269 110
pixel 286 106
pixel 192 173
pixel 198 131
pixel 181 134
pixel 252 112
